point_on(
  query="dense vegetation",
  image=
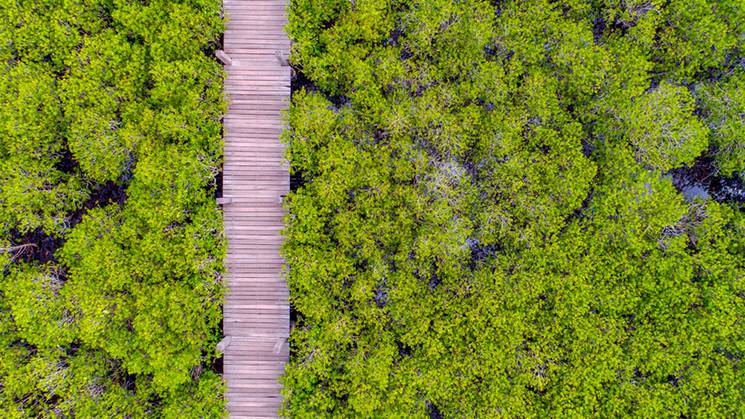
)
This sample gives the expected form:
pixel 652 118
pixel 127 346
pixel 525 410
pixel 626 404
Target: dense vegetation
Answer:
pixel 110 239
pixel 517 208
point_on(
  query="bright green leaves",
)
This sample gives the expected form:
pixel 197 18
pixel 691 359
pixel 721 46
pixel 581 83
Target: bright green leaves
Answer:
pixel 699 35
pixel 187 100
pixel 531 168
pixel 723 104
pixel 94 100
pixel 203 395
pixel 518 22
pixel 634 21
pixel 169 345
pixel 35 192
pixel 31 112
pixel 537 35
pixel 136 300
pixel 633 205
pixel 188 29
pixel 161 194
pixel 674 315
pixel 172 31
pixel 536 187
pixel 661 127
pixel 340 49
pixel 48 31
pixel 83 382
pixel 582 65
pixel 445 40
pixel 313 122
pixel 307 21
pixel 41 314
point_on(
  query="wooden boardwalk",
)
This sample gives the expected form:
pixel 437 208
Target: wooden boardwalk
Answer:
pixel 255 178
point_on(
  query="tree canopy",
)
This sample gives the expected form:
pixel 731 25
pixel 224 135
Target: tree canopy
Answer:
pixel 503 208
pixel 491 220
pixel 111 243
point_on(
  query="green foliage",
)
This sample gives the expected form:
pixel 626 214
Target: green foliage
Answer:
pixel 487 224
pixel 662 128
pixel 134 299
pixel 94 100
pixel 86 383
pixel 111 242
pixel 723 104
pixel 36 306
pixel 35 192
pixel 700 35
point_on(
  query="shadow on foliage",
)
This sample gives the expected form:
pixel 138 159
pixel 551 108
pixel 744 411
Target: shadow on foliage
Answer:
pixel 35 246
pixel 103 194
pixel 702 181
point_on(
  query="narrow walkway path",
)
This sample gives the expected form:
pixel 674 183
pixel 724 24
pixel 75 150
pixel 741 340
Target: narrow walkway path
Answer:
pixel 255 177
